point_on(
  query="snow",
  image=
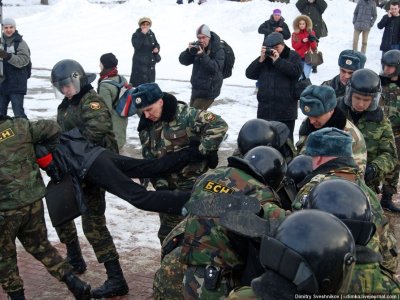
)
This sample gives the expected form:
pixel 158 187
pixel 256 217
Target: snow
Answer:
pixel 84 30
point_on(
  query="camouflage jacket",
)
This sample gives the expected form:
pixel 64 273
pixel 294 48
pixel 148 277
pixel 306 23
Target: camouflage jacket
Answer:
pixel 20 177
pixel 337 85
pixel 369 278
pixel 88 112
pixel 390 101
pixel 378 135
pixel 205 242
pixel 179 126
pixel 338 120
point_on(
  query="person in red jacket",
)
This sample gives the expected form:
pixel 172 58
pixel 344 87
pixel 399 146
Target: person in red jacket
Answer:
pixel 304 39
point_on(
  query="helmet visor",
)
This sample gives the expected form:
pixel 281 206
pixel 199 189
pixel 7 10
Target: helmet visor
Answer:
pixel 69 86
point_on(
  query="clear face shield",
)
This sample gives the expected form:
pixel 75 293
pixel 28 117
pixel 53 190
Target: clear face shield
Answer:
pixel 67 87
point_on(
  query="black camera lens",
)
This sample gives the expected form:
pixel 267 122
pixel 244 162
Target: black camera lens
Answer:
pixel 268 51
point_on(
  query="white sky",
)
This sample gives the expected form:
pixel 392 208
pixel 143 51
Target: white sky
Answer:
pixel 83 31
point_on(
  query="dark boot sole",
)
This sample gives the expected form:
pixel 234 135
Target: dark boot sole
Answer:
pixel 120 292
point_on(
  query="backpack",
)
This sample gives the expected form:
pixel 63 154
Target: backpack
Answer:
pixel 29 65
pixel 123 102
pixel 229 59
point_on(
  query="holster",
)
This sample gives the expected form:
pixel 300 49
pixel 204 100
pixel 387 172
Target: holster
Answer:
pixel 211 277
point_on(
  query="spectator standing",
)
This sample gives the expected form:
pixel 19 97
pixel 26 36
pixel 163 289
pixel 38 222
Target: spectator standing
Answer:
pixel 277 73
pixel 364 18
pixel 314 9
pixel 304 40
pixel 16 62
pixel 276 23
pixel 146 55
pixel 110 93
pixel 391 25
pixel 207 57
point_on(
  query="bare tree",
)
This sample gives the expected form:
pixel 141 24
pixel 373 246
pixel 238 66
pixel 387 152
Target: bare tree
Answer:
pixel 44 2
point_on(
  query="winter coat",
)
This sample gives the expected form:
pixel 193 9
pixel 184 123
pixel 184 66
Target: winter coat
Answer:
pixel 206 76
pixel 20 179
pixel 276 95
pixel 270 25
pixel 337 85
pixel 298 35
pixel 391 34
pixel 314 11
pixel 109 93
pixel 144 60
pixel 364 15
pixel 15 68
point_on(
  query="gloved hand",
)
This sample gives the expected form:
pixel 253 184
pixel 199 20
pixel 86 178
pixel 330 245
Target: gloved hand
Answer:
pixel 312 38
pixel 194 152
pixel 212 159
pixel 370 172
pixel 4 54
pixel 44 158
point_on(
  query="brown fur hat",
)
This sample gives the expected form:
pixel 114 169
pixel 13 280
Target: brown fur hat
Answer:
pixel 309 24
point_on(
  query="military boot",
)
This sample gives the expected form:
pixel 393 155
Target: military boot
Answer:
pixel 115 285
pixel 79 288
pixel 387 203
pixel 74 257
pixel 18 295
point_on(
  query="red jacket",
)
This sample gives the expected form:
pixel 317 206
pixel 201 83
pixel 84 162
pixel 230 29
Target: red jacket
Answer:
pixel 298 45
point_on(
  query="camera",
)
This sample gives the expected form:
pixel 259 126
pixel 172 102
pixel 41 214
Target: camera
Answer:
pixel 268 51
pixel 196 47
pixel 312 38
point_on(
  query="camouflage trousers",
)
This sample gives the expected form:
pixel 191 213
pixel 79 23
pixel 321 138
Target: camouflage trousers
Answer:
pixel 168 280
pixel 93 224
pixel 391 179
pixel 167 223
pixel 28 225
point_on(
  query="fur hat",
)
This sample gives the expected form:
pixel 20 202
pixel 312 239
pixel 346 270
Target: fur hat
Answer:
pixel 146 94
pixel 329 141
pixel 273 39
pixel 307 19
pixel 351 60
pixel 109 60
pixel 317 100
pixel 203 29
pixel 9 21
pixel 144 19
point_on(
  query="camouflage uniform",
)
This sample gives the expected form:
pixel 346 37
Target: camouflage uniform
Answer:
pixel 391 107
pixel 384 241
pixel 337 85
pixel 378 135
pixel 91 116
pixel 179 126
pixel 21 207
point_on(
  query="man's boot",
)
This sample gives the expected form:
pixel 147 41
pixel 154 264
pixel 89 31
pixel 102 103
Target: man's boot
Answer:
pixel 79 288
pixel 74 257
pixel 115 285
pixel 18 295
pixel 387 203
pixel 314 69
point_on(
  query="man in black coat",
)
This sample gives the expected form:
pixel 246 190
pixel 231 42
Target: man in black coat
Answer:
pixel 276 23
pixel 277 70
pixel 391 25
pixel 207 57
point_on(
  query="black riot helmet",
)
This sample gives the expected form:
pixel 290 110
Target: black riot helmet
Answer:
pixel 299 168
pixel 69 71
pixel 257 132
pixel 364 82
pixel 312 249
pixel 348 202
pixel 268 163
pixel 392 58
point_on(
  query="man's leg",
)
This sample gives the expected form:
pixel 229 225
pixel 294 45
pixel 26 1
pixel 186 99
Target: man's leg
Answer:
pixel 356 36
pixel 4 101
pixel 365 34
pixel 201 103
pixel 17 102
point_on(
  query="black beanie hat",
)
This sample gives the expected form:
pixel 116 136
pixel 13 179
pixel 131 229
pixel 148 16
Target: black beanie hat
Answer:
pixel 109 60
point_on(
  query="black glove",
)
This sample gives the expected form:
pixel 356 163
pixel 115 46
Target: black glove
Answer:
pixel 44 158
pixel 370 173
pixel 194 152
pixel 4 54
pixel 212 159
pixel 312 38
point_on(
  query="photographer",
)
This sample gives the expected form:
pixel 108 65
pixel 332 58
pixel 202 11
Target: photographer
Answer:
pixel 276 23
pixel 207 56
pixel 277 70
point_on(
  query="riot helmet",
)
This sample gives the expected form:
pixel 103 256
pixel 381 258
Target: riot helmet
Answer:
pixel 392 59
pixel 257 132
pixel 69 72
pixel 268 163
pixel 348 202
pixel 364 82
pixel 299 168
pixel 312 249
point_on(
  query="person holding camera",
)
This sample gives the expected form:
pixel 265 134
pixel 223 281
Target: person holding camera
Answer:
pixel 277 70
pixel 304 40
pixel 147 53
pixel 391 25
pixel 207 57
pixel 276 23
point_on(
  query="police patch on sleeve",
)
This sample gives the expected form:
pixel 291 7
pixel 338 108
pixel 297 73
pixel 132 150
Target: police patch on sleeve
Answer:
pixel 6 134
pixel 95 105
pixel 209 117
